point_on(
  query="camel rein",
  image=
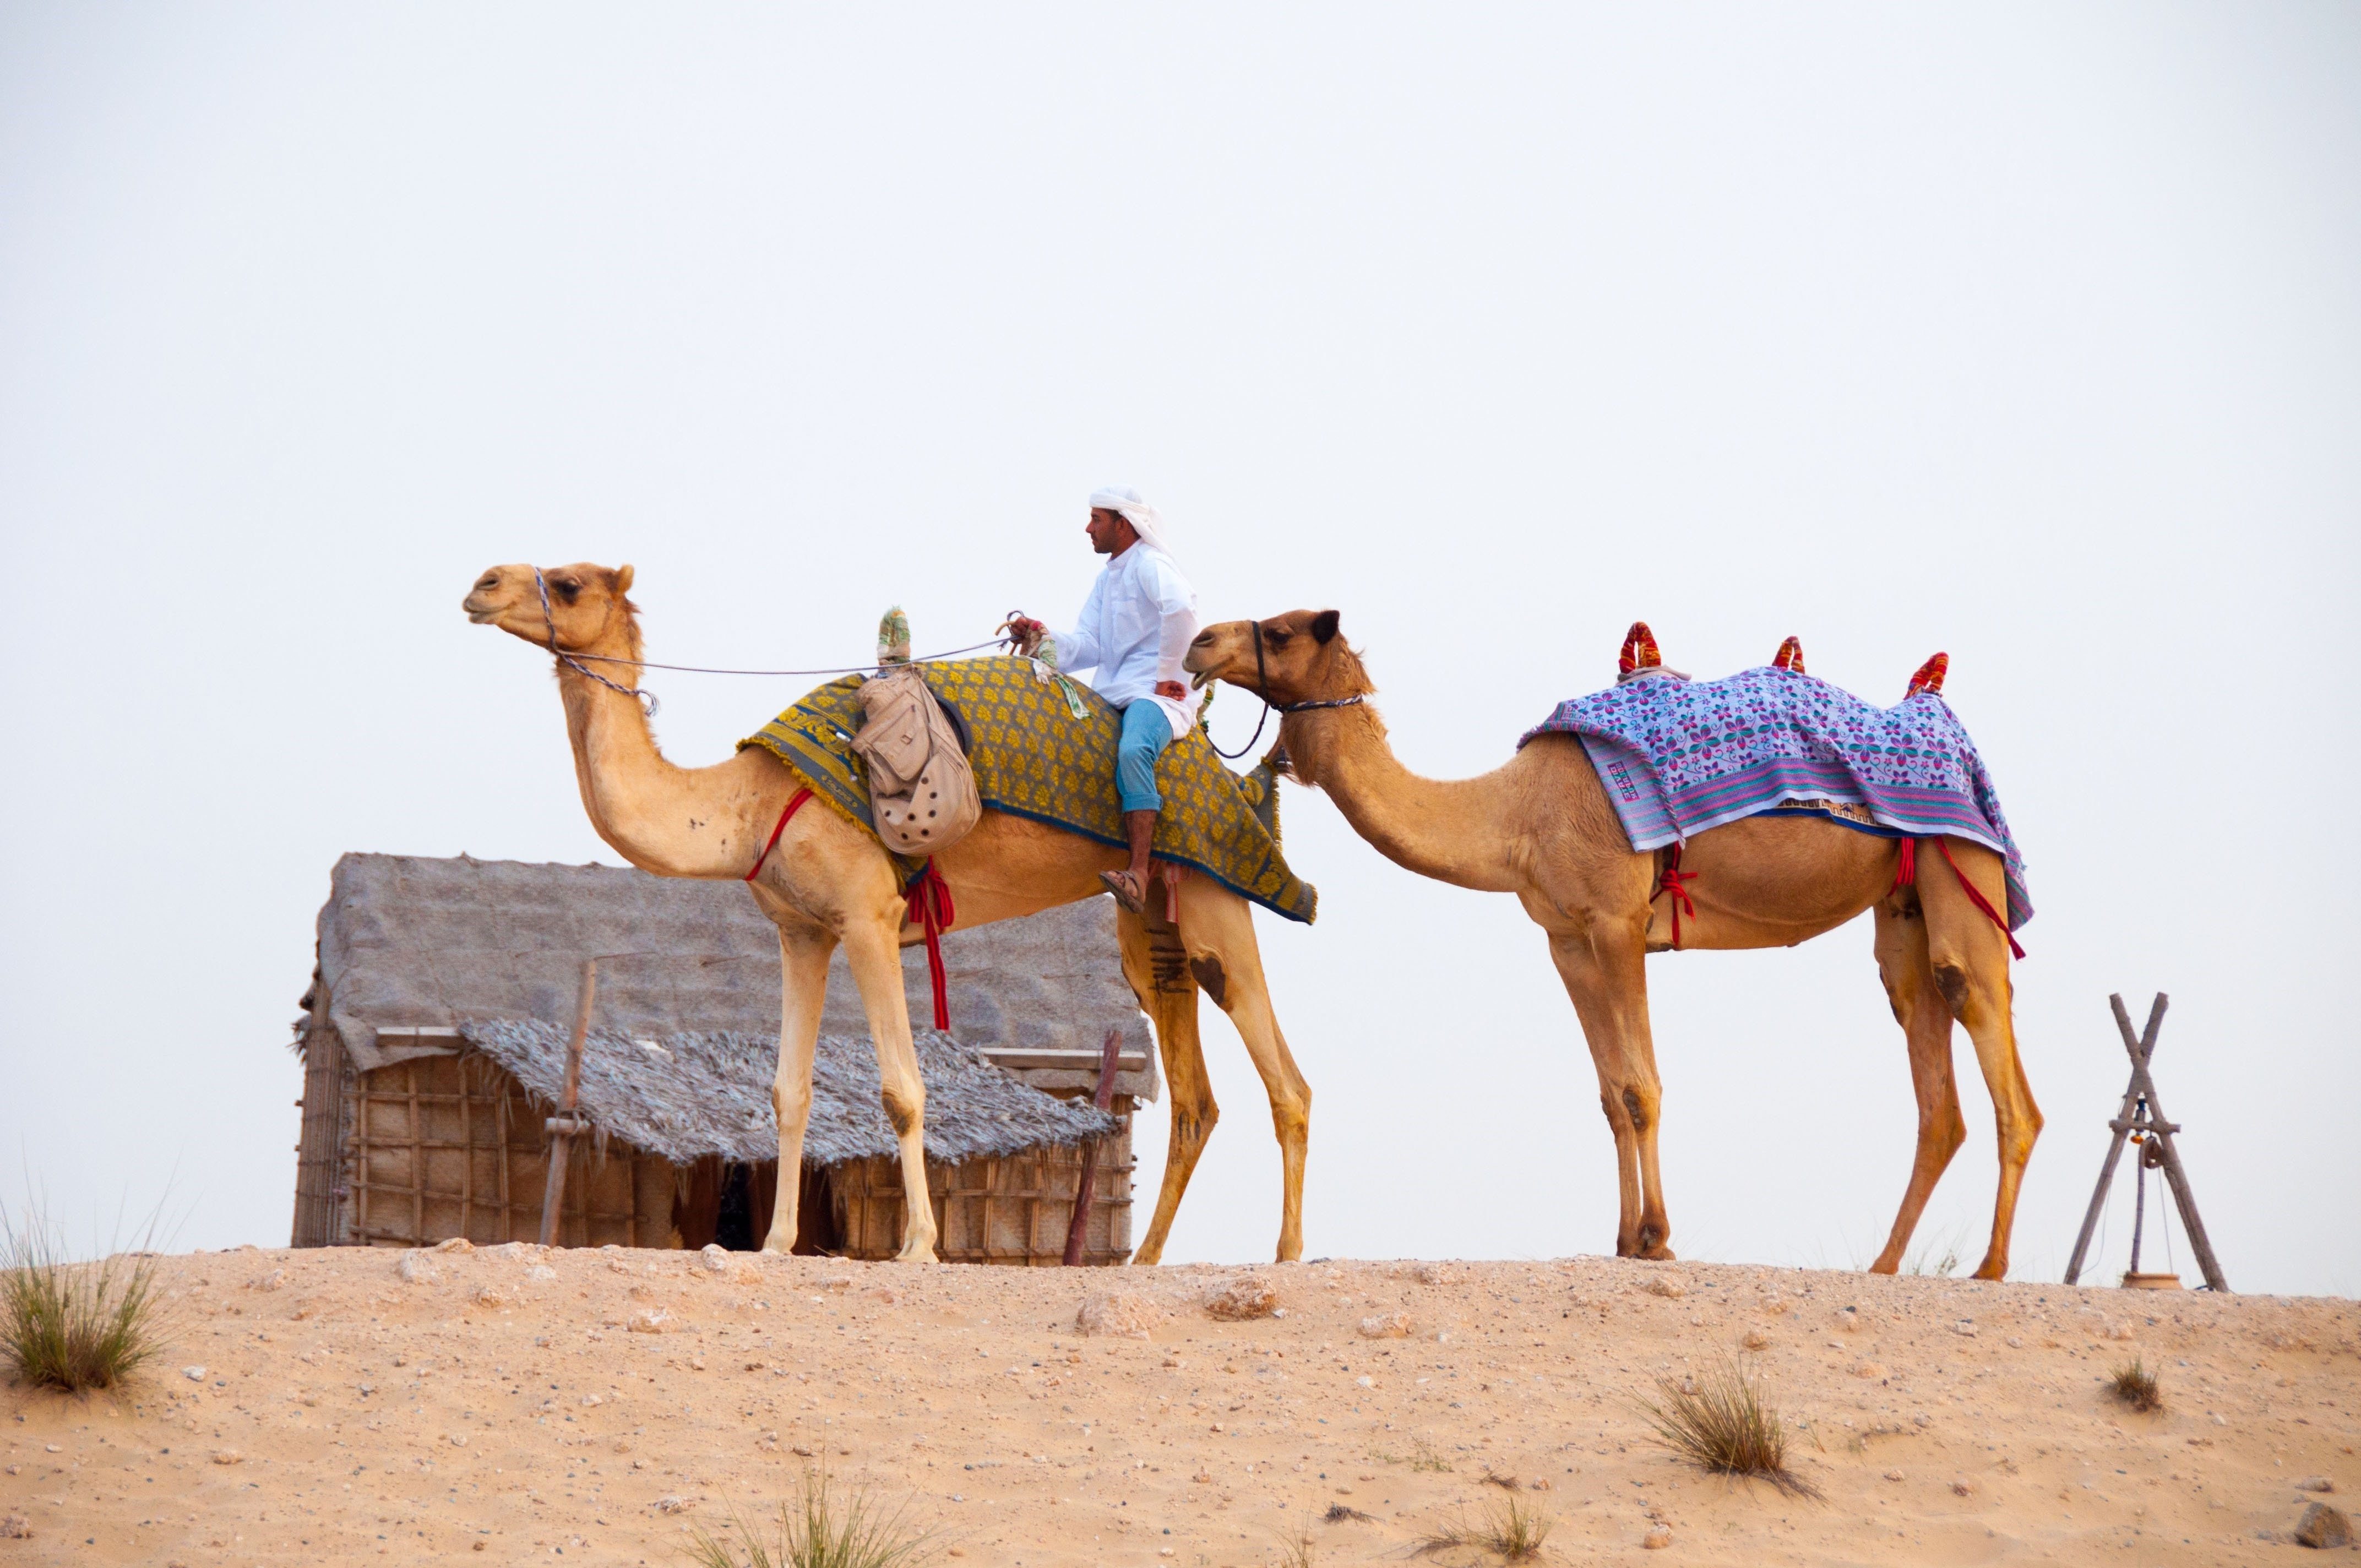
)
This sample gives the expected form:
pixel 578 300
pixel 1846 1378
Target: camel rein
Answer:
pixel 649 697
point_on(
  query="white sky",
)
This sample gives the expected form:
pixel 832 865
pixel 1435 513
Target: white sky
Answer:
pixel 2034 335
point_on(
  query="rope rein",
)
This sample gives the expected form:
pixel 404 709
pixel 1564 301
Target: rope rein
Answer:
pixel 646 698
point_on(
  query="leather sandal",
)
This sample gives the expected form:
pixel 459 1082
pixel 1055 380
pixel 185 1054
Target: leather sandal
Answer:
pixel 1127 890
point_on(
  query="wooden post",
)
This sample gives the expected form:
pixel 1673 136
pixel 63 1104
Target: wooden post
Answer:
pixel 1078 1228
pixel 2142 1114
pixel 564 1126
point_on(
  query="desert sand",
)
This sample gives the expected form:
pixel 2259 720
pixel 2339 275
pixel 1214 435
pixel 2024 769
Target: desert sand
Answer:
pixel 509 1405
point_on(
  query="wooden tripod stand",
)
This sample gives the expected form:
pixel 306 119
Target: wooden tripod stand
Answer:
pixel 2141 1120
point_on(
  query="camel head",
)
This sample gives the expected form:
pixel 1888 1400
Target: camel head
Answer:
pixel 587 609
pixel 1302 655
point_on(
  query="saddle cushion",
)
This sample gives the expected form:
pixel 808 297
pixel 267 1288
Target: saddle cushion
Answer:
pixel 1680 756
pixel 1034 756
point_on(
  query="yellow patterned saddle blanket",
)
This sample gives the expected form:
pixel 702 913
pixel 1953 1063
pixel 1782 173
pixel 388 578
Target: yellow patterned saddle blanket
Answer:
pixel 1035 757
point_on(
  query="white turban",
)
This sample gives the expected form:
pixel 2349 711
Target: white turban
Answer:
pixel 1138 513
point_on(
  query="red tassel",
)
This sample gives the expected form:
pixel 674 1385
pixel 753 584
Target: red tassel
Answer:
pixel 1929 677
pixel 1790 656
pixel 928 897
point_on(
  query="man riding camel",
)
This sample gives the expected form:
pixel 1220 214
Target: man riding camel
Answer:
pixel 1134 630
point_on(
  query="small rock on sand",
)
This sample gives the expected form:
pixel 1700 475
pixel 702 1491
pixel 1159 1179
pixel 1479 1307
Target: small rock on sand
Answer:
pixel 194 1374
pixel 1962 1487
pixel 715 1258
pixel 1386 1325
pixel 1236 1301
pixel 654 1321
pixel 2315 1483
pixel 15 1526
pixel 1672 1287
pixel 1658 1538
pixel 456 1243
pixel 416 1268
pixel 1756 1340
pixel 492 1296
pixel 1894 1475
pixel 2324 1526
pixel 1125 1314
pixel 228 1456
pixel 275 1279
pixel 541 1271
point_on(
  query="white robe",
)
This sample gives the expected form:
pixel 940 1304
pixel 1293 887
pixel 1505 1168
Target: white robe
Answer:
pixel 1134 630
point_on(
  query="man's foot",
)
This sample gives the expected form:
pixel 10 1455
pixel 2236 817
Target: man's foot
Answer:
pixel 1127 890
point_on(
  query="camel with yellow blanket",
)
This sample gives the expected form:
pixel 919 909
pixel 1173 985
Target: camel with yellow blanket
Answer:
pixel 827 880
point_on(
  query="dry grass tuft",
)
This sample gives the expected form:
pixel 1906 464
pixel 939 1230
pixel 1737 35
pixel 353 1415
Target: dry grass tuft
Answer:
pixel 1298 1550
pixel 73 1325
pixel 1339 1513
pixel 1722 1422
pixel 818 1528
pixel 1510 1527
pixel 2135 1386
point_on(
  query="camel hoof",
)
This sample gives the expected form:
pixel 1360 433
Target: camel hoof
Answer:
pixel 916 1251
pixel 1990 1271
pixel 1660 1253
pixel 1886 1265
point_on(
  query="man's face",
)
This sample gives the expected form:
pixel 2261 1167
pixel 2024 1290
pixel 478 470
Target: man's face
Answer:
pixel 1111 533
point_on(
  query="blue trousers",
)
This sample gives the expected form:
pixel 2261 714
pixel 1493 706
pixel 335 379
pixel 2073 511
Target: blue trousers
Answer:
pixel 1146 734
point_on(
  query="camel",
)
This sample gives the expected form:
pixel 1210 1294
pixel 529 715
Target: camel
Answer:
pixel 1543 829
pixel 827 880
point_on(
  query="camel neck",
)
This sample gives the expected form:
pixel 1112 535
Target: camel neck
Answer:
pixel 675 821
pixel 1440 828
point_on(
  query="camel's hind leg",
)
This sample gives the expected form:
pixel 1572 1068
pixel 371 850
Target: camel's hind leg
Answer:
pixel 802 964
pixel 1156 965
pixel 1969 957
pixel 1605 974
pixel 1926 1020
pixel 1217 930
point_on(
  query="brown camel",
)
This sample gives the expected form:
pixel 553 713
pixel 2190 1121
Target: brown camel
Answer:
pixel 828 880
pixel 1543 829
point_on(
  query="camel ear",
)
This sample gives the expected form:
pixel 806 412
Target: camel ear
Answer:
pixel 1324 627
pixel 624 578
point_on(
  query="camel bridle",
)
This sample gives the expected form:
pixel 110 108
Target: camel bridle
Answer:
pixel 549 622
pixel 1262 690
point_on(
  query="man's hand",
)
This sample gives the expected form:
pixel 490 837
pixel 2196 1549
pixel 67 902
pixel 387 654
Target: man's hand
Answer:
pixel 1172 689
pixel 1025 633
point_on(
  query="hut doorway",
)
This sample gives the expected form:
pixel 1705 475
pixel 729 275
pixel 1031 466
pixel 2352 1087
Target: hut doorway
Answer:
pixel 728 1203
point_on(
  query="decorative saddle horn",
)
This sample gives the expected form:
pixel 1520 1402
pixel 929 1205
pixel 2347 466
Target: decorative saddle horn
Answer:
pixel 1929 677
pixel 1790 656
pixel 1640 652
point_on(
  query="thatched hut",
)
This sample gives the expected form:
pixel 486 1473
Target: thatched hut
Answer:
pixel 435 1037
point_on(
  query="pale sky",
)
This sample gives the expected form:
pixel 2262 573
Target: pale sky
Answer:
pixel 2032 334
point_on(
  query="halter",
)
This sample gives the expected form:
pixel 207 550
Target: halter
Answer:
pixel 1262 690
pixel 647 698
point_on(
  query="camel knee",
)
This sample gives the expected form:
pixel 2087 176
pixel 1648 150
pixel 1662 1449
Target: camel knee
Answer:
pixel 906 1108
pixel 1291 1116
pixel 1641 1105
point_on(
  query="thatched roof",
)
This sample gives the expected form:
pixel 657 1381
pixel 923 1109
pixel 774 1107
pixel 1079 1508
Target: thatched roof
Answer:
pixel 706 1093
pixel 409 941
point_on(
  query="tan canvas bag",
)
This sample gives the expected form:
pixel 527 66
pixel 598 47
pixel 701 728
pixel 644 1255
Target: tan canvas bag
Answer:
pixel 922 794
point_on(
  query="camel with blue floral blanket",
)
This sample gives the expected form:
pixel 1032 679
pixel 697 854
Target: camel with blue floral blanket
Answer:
pixel 1755 813
pixel 824 879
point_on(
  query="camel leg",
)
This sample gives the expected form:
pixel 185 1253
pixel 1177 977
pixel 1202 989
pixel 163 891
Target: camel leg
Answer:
pixel 1217 930
pixel 873 946
pixel 1969 957
pixel 1156 965
pixel 803 966
pixel 1926 1020
pixel 1606 975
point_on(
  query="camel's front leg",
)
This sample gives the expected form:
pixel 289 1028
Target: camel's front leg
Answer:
pixel 1926 1020
pixel 803 968
pixel 1605 974
pixel 872 947
pixel 1968 956
pixel 1156 965
pixel 1217 930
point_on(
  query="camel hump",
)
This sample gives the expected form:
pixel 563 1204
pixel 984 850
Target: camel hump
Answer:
pixel 1640 652
pixel 1790 656
pixel 1929 678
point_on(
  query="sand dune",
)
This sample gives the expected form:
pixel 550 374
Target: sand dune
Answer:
pixel 512 1406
